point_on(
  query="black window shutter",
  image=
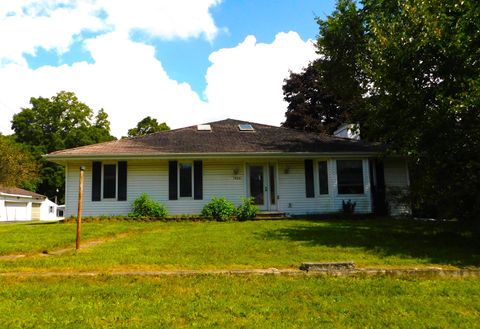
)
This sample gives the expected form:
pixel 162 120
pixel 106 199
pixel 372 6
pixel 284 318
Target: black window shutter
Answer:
pixel 172 180
pixel 122 180
pixel 309 179
pixel 96 180
pixel 198 180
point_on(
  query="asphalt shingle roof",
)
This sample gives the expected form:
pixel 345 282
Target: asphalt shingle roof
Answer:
pixel 224 137
pixel 19 191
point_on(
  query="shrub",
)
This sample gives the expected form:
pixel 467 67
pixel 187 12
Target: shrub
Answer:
pixel 219 209
pixel 247 209
pixel 348 207
pixel 144 206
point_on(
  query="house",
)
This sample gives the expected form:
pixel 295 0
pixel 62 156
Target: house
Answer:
pixel 284 170
pixel 17 204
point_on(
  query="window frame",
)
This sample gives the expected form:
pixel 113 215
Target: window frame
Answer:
pixel 319 179
pixel 103 181
pixel 339 187
pixel 192 180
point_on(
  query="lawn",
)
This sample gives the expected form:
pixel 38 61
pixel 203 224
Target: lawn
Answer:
pixel 240 245
pixel 220 301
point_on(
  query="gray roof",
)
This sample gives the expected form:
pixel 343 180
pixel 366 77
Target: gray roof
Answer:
pixel 224 137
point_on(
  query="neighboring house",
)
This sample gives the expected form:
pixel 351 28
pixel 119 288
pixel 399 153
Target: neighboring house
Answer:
pixel 283 169
pixel 17 204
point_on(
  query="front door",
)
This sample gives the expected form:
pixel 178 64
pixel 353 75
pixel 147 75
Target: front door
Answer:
pixel 261 186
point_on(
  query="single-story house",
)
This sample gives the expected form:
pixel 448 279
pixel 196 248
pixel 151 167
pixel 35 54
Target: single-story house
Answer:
pixel 17 204
pixel 284 170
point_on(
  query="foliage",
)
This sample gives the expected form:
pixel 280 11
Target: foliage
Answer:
pixel 348 207
pixel 408 72
pixel 144 206
pixel 55 124
pixel 247 210
pixel 18 167
pixel 147 126
pixel 219 209
pixel 324 94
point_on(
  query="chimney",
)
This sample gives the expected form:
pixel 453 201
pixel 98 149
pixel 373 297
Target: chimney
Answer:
pixel 348 130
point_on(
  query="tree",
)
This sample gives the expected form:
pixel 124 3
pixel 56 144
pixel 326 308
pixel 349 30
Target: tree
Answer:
pixel 409 73
pixel 147 126
pixel 329 89
pixel 55 124
pixel 17 166
pixel 423 62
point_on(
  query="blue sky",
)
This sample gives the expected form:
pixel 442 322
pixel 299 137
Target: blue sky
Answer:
pixel 178 61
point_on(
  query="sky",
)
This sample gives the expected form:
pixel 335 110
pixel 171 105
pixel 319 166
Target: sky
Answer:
pixel 183 62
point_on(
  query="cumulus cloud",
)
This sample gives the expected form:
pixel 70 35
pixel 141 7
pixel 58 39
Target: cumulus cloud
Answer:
pixel 246 81
pixel 125 78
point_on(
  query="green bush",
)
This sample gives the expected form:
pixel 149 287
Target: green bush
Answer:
pixel 247 209
pixel 219 209
pixel 144 206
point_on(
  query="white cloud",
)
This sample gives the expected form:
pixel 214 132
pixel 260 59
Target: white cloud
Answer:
pixel 125 78
pixel 245 82
pixel 52 24
pixel 165 19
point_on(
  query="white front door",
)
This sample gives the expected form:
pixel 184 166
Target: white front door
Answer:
pixel 261 186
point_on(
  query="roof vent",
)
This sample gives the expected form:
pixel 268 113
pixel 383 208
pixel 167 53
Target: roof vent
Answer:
pixel 245 127
pixel 204 128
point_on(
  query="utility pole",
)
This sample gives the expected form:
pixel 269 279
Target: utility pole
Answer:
pixel 80 201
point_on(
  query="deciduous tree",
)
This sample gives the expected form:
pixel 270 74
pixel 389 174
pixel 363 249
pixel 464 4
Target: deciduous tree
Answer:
pixel 146 126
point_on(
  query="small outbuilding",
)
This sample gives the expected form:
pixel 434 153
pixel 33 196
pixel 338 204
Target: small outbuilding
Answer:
pixel 17 204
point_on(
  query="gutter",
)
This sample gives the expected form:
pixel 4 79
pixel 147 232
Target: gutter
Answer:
pixel 83 157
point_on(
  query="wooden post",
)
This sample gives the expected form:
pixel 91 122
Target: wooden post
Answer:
pixel 80 201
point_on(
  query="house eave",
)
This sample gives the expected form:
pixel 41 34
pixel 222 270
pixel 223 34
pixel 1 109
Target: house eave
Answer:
pixel 222 155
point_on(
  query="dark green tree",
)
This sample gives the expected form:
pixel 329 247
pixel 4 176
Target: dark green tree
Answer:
pixel 329 89
pixel 423 64
pixel 55 124
pixel 147 126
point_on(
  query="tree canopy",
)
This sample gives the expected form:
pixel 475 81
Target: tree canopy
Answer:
pixel 146 126
pixel 17 166
pixel 409 73
pixel 57 123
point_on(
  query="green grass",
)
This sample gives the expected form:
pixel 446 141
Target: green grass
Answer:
pixel 238 301
pixel 254 244
pixel 36 237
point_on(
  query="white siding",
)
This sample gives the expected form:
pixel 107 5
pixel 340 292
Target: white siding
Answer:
pixel 292 192
pixel 151 177
pixel 397 183
pixel 219 179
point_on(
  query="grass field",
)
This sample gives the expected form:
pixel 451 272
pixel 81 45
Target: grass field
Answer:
pixel 223 301
pixel 249 301
pixel 254 244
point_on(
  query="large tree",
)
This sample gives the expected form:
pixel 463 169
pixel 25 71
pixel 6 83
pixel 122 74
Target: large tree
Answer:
pixel 409 72
pixel 326 92
pixel 146 126
pixel 56 123
pixel 18 167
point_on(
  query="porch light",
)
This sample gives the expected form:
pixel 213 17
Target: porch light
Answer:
pixel 236 170
pixel 286 170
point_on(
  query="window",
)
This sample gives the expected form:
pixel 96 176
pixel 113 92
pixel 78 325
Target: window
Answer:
pixel 323 177
pixel 109 181
pixel 350 176
pixel 185 179
pixel 245 127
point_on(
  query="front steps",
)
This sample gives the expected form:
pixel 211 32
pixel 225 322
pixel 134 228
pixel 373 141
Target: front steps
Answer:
pixel 271 215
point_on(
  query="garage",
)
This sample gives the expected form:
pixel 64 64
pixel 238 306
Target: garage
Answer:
pixel 16 211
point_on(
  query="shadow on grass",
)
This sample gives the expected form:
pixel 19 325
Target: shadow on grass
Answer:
pixel 435 242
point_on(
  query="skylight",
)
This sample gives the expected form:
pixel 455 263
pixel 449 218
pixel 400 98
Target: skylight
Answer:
pixel 204 128
pixel 245 127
